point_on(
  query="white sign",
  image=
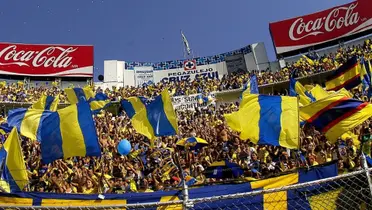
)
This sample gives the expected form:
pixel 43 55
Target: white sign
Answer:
pixel 190 102
pixel 201 72
pixel 235 63
pixel 143 75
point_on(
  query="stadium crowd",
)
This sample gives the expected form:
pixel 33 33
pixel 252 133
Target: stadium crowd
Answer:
pixel 150 168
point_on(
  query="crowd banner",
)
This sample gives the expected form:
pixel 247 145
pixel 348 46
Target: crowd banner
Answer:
pixel 46 60
pixel 143 75
pixel 191 102
pixel 272 193
pixel 348 20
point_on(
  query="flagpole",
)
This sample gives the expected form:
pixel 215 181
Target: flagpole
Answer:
pixel 100 183
pixel 298 120
pixel 299 130
pixel 1 172
pixel 20 147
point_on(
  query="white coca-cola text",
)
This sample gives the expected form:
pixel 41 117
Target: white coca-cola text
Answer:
pixel 334 20
pixel 44 58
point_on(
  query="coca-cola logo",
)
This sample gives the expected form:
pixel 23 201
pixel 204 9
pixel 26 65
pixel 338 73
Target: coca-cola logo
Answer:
pixel 47 57
pixel 335 20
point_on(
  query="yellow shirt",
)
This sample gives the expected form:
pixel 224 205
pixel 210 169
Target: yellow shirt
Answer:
pixel 262 155
pixel 89 191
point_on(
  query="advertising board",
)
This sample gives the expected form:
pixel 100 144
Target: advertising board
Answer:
pixel 181 74
pixel 321 27
pixel 143 75
pixel 46 60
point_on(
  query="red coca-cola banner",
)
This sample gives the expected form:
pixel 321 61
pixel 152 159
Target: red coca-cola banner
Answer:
pixel 46 60
pixel 321 27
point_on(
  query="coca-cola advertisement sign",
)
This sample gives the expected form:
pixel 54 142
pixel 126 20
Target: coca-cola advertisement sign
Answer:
pixel 321 27
pixel 46 60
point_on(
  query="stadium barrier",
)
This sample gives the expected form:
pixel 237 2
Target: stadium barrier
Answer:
pixel 347 191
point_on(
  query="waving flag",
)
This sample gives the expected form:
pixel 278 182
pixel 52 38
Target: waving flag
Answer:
pixel 296 89
pixel 5 128
pixel 346 76
pixel 251 87
pixel 271 120
pixel 318 92
pixel 336 114
pixel 186 43
pixel 192 143
pixel 65 133
pixel 157 119
pixel 46 103
pixel 133 105
pixel 14 174
pixel 96 101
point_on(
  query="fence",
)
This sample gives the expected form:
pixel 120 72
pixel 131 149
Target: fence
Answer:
pixel 348 191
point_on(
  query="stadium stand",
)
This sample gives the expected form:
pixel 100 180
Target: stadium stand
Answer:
pixel 82 174
pixel 222 170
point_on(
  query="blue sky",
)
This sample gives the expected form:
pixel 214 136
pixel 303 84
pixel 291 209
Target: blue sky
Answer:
pixel 149 30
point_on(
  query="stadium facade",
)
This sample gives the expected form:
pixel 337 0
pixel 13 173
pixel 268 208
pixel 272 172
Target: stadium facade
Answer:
pixel 122 73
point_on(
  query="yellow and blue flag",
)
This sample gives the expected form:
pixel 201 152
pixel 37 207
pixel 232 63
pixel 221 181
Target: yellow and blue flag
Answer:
pixel 367 65
pixel 75 95
pixel 14 174
pixel 336 114
pixel 307 196
pixel 309 60
pixel 271 120
pixel 290 199
pixel 96 101
pixel 346 76
pixel 27 121
pixel 100 101
pixel 296 89
pixel 205 99
pixel 5 128
pixel 192 143
pixel 65 133
pixel 133 105
pixel 251 87
pixel 318 92
pixel 157 119
pixel 46 103
pixel 30 126
pixel 364 75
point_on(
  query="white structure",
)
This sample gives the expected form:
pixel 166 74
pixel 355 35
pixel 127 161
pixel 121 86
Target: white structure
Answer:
pixel 121 73
pixel 113 74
